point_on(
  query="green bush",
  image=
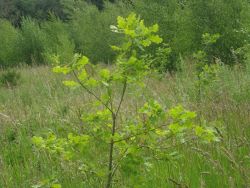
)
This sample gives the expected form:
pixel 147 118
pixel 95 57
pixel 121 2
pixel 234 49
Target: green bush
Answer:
pixel 39 40
pixel 8 44
pixel 174 25
pixel 182 24
pixel 57 40
pixel 31 42
pixel 91 34
pixel 225 18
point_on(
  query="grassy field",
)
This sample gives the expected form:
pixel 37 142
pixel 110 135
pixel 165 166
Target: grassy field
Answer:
pixel 40 103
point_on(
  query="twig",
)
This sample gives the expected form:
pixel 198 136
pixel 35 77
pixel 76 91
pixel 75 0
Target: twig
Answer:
pixel 138 134
pixel 122 97
pixel 91 93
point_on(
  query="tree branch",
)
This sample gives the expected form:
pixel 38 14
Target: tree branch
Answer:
pixel 91 93
pixel 122 97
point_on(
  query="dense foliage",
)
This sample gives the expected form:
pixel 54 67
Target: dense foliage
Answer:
pixel 80 27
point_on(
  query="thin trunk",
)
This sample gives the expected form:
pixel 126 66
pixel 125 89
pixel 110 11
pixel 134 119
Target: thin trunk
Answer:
pixel 111 150
pixel 112 142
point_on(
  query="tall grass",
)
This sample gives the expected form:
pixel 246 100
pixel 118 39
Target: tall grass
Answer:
pixel 41 103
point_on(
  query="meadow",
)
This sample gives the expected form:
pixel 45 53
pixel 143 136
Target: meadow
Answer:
pixel 124 93
pixel 40 103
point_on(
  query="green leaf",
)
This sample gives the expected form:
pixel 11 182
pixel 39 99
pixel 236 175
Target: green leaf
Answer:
pixel 64 70
pixel 105 74
pixel 154 28
pixel 56 185
pixel 115 48
pixel 92 82
pixel 71 83
pixel 82 75
pixel 129 32
pixel 83 61
pixel 146 42
pixel 121 22
pixel 156 39
pixel 38 141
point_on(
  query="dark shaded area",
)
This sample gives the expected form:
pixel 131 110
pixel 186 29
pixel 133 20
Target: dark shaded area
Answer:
pixel 14 10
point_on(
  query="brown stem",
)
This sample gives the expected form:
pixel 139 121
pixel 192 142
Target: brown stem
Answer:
pixel 111 150
pixel 112 143
pixel 122 97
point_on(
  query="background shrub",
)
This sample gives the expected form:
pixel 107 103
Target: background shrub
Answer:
pixel 223 17
pixel 31 42
pixel 182 24
pixel 81 27
pixel 57 40
pixel 173 19
pixel 91 34
pixel 8 44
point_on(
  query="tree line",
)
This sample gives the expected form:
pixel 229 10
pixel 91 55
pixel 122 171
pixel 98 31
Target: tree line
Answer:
pixel 33 30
